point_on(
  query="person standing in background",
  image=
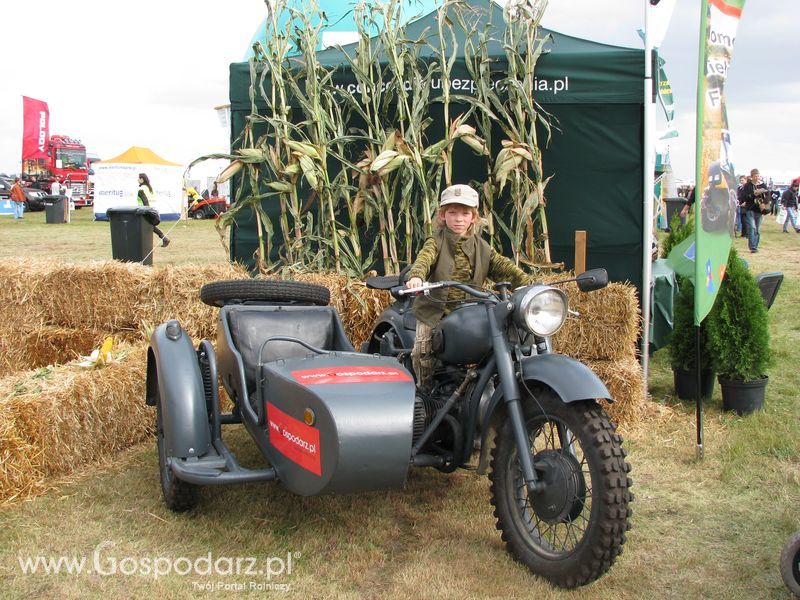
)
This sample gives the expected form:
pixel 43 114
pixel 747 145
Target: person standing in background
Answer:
pixel 789 201
pixel 18 199
pixel 147 198
pixel 742 209
pixel 753 192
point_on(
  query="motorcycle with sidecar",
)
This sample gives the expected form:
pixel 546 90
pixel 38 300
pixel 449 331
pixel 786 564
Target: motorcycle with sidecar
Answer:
pixel 328 419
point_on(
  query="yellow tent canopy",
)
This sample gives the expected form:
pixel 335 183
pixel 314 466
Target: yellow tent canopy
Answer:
pixel 140 156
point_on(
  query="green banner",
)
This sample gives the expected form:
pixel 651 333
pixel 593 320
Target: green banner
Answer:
pixel 715 192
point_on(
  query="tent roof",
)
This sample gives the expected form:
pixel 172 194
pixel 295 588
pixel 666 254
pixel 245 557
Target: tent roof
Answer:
pixel 140 156
pixel 571 70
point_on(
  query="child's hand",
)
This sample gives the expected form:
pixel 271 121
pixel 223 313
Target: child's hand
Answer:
pixel 414 282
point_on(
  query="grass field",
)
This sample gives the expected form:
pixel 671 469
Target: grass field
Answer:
pixel 710 529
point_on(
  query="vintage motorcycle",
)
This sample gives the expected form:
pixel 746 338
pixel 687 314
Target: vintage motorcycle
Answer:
pixel 560 485
pixel 328 419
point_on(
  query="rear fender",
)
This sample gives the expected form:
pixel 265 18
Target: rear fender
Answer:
pixel 570 379
pixel 392 320
pixel 174 378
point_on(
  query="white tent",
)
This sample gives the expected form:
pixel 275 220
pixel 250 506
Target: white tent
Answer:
pixel 116 182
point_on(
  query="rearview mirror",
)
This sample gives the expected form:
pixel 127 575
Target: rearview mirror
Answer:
pixel 594 279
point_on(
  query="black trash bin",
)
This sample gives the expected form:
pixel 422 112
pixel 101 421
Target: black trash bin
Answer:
pixel 132 233
pixel 55 209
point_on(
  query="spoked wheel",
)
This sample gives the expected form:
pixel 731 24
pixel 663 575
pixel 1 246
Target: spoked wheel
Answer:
pixel 179 496
pixel 790 564
pixel 572 531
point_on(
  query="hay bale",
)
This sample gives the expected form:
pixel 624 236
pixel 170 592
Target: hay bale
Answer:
pixel 19 306
pixel 358 306
pixel 625 381
pixel 69 416
pixel 608 326
pixel 175 294
pixel 48 345
pixel 20 473
pixel 12 353
pixel 105 296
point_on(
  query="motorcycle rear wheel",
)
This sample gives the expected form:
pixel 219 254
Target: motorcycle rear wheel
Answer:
pixel 572 532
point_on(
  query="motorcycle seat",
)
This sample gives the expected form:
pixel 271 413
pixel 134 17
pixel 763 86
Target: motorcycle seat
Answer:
pixel 251 326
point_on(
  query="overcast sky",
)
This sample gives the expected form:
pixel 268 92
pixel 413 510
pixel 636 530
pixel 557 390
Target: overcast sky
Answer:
pixel 119 74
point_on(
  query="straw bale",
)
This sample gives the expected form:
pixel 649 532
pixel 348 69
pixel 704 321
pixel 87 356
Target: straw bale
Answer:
pixel 20 473
pixel 358 306
pixel 19 309
pixel 625 382
pixel 607 328
pixel 175 294
pixel 97 295
pixel 12 354
pixel 48 345
pixel 71 416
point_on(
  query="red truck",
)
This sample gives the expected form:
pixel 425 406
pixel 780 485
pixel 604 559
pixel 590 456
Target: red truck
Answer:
pixel 65 162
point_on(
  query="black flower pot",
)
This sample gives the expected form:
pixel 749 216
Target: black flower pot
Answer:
pixel 744 397
pixel 686 383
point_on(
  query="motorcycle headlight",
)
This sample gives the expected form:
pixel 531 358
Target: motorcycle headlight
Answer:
pixel 541 310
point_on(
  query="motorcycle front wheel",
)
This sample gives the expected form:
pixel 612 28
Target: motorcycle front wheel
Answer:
pixel 572 531
pixel 790 564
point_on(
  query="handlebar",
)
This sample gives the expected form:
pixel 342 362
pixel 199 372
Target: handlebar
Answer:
pixel 425 288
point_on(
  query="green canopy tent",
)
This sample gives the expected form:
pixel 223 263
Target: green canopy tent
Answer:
pixel 593 90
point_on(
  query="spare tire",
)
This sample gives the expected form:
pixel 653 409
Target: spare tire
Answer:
pixel 237 291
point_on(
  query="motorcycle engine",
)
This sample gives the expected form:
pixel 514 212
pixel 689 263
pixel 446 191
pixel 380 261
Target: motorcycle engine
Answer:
pixel 425 407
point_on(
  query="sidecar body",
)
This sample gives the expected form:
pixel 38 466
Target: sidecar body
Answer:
pixel 326 419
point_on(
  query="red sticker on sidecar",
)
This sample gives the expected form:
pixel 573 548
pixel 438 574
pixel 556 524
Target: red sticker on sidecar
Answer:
pixel 350 375
pixel 294 439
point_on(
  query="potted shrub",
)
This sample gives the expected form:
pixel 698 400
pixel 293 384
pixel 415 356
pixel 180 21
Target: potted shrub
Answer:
pixel 738 335
pixel 682 347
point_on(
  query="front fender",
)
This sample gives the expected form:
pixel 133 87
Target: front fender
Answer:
pixel 174 378
pixel 570 379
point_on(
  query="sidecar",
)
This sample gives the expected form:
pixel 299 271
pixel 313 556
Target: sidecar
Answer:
pixel 327 419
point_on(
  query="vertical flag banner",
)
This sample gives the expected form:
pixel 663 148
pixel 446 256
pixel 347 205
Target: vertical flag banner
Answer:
pixel 715 192
pixel 667 102
pixel 659 18
pixel 35 128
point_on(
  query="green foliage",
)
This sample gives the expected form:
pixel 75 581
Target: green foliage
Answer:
pixel 678 231
pixel 368 162
pixel 682 342
pixel 738 327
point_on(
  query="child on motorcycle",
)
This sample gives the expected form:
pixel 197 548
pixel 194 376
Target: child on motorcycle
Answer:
pixel 454 252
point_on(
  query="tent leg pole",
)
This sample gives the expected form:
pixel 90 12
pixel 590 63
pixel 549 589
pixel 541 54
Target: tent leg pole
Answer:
pixel 647 209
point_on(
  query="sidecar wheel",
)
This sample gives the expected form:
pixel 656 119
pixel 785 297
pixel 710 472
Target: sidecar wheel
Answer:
pixel 572 531
pixel 179 496
pixel 790 564
pixel 220 293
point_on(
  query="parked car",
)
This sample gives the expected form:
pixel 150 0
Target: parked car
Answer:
pixel 34 197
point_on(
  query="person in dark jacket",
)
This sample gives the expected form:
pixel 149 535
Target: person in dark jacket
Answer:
pixel 789 202
pixel 750 194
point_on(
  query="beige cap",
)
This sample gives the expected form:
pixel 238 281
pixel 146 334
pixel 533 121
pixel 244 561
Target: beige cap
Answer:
pixel 459 194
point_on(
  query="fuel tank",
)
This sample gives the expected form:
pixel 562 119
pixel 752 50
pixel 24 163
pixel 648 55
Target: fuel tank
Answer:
pixel 338 423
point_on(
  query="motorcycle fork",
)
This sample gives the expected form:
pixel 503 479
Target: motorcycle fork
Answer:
pixel 511 395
